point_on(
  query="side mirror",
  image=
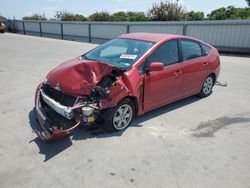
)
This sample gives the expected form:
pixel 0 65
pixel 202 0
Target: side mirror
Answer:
pixel 156 66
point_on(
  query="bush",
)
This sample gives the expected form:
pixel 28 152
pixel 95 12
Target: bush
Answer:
pixel 100 16
pixel 129 16
pixel 2 17
pixel 230 13
pixel 66 16
pixel 166 11
pixel 193 16
pixel 35 17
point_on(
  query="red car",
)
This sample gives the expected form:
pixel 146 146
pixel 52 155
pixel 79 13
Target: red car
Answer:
pixel 125 77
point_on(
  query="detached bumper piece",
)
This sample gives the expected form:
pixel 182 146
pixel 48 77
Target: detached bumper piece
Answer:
pixel 50 135
pixel 52 130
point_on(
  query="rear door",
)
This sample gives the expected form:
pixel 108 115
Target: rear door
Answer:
pixel 164 86
pixel 194 67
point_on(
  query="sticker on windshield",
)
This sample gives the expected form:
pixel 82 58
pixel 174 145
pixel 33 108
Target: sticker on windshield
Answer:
pixel 128 56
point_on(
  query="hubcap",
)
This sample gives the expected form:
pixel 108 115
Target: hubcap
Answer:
pixel 208 85
pixel 122 117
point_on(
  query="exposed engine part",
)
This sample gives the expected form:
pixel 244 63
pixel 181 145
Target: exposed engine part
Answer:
pixel 102 88
pixel 65 112
pixel 87 111
pixel 90 111
pixel 89 115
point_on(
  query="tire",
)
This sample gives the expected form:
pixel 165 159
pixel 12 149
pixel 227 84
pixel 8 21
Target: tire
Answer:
pixel 114 120
pixel 207 87
pixel 2 31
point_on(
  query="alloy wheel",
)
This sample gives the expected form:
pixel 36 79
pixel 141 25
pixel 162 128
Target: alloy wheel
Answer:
pixel 208 85
pixel 122 117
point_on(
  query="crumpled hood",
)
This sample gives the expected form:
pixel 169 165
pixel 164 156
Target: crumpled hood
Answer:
pixel 78 76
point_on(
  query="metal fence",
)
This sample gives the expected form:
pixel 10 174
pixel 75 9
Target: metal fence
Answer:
pixel 226 35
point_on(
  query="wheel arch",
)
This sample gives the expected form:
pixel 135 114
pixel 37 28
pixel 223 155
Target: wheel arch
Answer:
pixel 135 102
pixel 214 76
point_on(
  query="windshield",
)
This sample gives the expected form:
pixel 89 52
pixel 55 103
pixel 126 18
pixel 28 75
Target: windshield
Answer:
pixel 122 53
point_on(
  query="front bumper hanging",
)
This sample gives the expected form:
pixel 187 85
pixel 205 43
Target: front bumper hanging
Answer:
pixel 52 133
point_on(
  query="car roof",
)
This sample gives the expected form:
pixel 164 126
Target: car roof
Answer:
pixel 153 37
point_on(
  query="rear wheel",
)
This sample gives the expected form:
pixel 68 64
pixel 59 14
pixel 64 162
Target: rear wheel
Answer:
pixel 119 117
pixel 207 87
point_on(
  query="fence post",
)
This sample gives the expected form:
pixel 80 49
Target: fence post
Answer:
pixel 41 32
pixel 184 30
pixel 61 31
pixel 24 32
pixel 128 28
pixel 90 40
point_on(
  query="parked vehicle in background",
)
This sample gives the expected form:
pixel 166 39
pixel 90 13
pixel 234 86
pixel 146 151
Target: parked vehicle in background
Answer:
pixel 125 77
pixel 2 27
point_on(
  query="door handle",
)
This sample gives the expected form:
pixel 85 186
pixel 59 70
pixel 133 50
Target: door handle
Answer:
pixel 205 64
pixel 177 73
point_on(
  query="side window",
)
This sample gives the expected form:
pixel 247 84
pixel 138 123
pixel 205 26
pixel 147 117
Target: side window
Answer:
pixel 206 49
pixel 190 49
pixel 166 53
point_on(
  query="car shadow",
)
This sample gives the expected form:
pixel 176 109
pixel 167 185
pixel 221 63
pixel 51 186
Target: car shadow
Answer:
pixel 50 150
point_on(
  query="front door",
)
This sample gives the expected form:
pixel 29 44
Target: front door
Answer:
pixel 162 87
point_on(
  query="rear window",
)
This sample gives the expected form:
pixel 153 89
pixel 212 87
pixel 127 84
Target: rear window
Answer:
pixel 206 49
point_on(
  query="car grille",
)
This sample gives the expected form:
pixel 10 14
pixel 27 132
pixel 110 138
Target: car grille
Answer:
pixel 62 98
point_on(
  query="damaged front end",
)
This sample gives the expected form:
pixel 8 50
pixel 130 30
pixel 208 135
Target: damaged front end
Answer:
pixel 59 113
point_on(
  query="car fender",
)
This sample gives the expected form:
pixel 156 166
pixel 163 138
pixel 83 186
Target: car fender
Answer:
pixel 126 86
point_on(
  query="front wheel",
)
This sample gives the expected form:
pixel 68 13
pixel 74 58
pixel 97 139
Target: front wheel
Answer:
pixel 119 117
pixel 207 87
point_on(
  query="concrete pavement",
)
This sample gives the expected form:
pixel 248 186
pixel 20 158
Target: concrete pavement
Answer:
pixel 191 143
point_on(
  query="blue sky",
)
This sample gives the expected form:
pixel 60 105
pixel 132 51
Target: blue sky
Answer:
pixel 20 8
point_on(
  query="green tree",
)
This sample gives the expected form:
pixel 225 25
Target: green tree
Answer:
pixel 120 16
pixel 244 13
pixel 35 17
pixel 100 16
pixel 166 11
pixel 137 16
pixel 67 16
pixel 218 14
pixel 193 16
pixel 129 16
pixel 2 17
pixel 230 13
